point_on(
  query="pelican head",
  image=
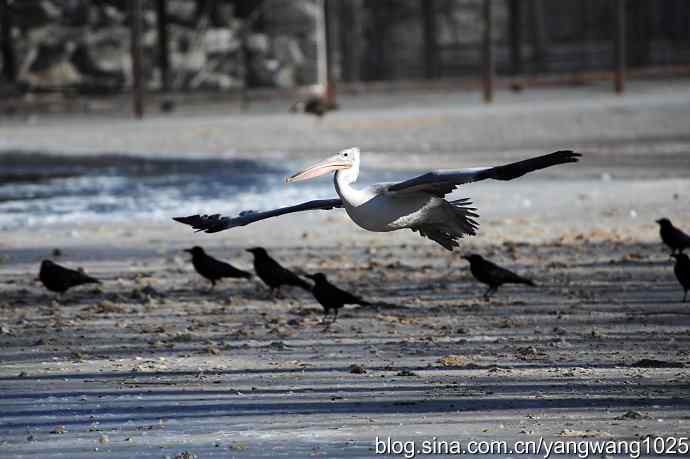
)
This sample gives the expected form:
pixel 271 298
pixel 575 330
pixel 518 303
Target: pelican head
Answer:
pixel 346 159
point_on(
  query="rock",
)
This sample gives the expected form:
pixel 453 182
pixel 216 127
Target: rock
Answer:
pixel 633 415
pixel 34 14
pixel 406 373
pixel 62 74
pixel 453 360
pixel 218 41
pixel 258 43
pixel 357 369
pixel 182 11
pixel 186 455
pixel 529 353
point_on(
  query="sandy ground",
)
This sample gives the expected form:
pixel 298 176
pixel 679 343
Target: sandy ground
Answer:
pixel 153 364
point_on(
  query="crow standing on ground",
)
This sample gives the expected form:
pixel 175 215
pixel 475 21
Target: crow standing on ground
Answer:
pixel 493 275
pixel 331 297
pixel 315 105
pixel 213 269
pixel 673 237
pixel 682 270
pixel 59 279
pixel 273 274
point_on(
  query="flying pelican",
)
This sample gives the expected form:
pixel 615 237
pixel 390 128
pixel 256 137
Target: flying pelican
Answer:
pixel 417 203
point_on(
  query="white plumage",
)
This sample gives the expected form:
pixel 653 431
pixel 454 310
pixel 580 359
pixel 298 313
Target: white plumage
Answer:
pixel 418 203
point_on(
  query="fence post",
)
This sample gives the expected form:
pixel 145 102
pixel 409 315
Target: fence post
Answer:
pixel 163 45
pixel 431 61
pixel 329 88
pixel 487 54
pixel 515 25
pixel 9 63
pixel 619 48
pixel 137 77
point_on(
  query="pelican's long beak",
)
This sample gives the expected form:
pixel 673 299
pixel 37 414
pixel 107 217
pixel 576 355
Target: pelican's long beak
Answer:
pixel 331 164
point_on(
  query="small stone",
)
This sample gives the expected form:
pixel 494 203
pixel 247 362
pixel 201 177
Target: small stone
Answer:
pixel 357 369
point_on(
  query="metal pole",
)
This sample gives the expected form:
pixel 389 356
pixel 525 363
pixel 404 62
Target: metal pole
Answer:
pixel 430 44
pixel 327 27
pixel 163 48
pixel 9 64
pixel 137 77
pixel 515 24
pixel 487 54
pixel 322 55
pixel 619 48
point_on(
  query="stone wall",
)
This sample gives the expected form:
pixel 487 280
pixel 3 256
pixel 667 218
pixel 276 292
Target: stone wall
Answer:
pixel 86 45
pixel 228 44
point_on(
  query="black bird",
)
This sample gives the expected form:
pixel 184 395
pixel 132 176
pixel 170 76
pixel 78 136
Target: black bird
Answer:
pixel 673 237
pixel 493 275
pixel 331 297
pixel 682 270
pixel 59 279
pixel 272 273
pixel 315 105
pixel 213 269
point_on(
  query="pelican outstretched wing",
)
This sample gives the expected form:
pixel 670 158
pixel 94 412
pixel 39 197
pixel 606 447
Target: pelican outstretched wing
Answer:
pixel 443 182
pixel 217 222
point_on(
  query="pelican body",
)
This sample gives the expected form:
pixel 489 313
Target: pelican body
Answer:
pixel 418 204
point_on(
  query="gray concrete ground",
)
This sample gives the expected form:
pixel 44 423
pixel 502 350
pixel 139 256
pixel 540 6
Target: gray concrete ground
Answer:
pixel 152 364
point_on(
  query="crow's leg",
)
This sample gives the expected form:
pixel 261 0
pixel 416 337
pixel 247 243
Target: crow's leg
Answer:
pixel 324 319
pixel 326 323
pixel 490 291
pixel 275 293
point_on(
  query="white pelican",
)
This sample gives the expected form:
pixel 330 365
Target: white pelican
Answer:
pixel 417 203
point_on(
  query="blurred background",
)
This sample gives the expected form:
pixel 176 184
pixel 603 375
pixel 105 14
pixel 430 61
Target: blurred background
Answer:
pixel 62 51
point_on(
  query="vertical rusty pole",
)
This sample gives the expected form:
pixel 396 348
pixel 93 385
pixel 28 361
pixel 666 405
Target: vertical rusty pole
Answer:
pixel 515 25
pixel 350 33
pixel 9 63
pixel 619 48
pixel 163 45
pixel 487 54
pixel 137 77
pixel 429 26
pixel 327 30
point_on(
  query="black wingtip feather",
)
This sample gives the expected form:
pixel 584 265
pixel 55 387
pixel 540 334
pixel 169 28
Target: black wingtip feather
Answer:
pixel 203 223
